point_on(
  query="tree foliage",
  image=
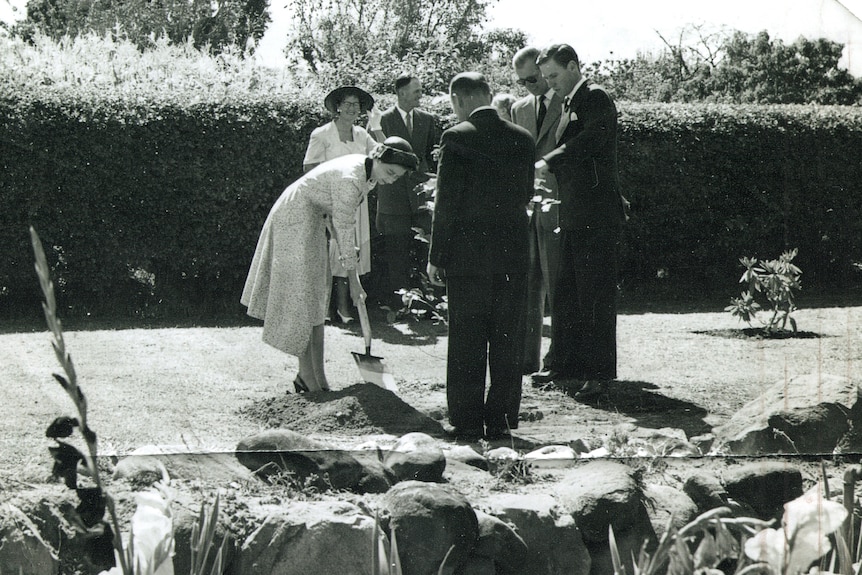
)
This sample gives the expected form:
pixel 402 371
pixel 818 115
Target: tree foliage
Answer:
pixel 371 41
pixel 206 24
pixel 730 66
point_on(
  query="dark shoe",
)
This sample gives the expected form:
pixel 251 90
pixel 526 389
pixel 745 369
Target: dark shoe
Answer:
pixel 544 376
pixel 299 385
pixel 591 389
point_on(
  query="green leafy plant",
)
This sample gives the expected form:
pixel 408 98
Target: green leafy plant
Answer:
pixel 809 539
pixel 150 545
pixel 774 282
pixel 102 536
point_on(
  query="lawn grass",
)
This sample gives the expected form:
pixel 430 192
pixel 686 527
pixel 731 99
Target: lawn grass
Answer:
pixel 183 385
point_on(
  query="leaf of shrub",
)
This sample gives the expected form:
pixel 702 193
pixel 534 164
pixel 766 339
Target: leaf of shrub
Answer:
pixel 66 458
pixel 99 547
pixel 63 426
pixel 91 509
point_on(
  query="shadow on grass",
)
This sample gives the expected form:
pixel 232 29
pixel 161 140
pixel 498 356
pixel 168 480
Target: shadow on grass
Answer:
pixel 637 400
pixel 757 333
pixel 404 332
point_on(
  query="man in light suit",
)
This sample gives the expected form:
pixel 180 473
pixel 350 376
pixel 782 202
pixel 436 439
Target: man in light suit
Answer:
pixel 479 245
pixel 591 216
pixel 539 113
pixel 398 204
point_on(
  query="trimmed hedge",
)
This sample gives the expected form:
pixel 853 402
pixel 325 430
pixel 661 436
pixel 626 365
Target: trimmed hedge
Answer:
pixel 145 203
pixel 711 183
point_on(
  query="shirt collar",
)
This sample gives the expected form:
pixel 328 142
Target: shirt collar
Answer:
pixel 575 89
pixel 548 95
pixel 402 112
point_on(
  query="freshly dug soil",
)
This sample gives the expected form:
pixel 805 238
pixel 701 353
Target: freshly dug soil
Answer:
pixel 361 409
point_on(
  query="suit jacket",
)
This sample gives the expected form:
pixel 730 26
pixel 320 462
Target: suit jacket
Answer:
pixel 398 198
pixel 484 181
pixel 585 163
pixel 524 113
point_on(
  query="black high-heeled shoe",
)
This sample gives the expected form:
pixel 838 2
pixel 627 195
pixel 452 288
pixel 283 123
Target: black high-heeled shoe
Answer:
pixel 299 385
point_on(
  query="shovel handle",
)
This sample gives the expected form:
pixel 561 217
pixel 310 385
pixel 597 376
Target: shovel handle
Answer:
pixel 355 287
pixel 363 312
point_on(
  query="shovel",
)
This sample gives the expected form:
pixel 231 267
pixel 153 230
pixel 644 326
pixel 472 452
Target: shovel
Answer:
pixel 371 368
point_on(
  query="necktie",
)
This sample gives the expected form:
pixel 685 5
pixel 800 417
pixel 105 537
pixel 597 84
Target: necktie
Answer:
pixel 409 122
pixel 543 110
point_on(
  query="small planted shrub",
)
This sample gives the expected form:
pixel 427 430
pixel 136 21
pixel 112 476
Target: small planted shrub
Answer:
pixel 771 288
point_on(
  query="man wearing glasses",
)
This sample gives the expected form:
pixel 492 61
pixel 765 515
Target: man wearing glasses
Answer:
pixel 540 114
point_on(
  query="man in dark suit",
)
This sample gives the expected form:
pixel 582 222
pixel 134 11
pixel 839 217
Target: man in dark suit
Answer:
pixel 591 217
pixel 479 245
pixel 539 113
pixel 398 204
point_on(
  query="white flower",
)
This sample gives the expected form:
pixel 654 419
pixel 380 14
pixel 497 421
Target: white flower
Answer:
pixel 152 532
pixel 803 537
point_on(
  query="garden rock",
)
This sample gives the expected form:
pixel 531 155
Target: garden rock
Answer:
pixel 141 470
pixel 465 454
pixel 22 549
pixel 804 414
pixel 416 456
pixel 499 543
pixel 429 519
pixel 706 491
pixel 598 494
pixel 553 540
pixel 603 494
pixel 182 462
pixel 666 503
pixel 764 486
pixel 277 440
pixel 552 456
pixel 302 537
pixel 325 469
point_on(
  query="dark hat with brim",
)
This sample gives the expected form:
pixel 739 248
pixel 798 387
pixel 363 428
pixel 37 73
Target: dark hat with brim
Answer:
pixel 366 102
pixel 396 150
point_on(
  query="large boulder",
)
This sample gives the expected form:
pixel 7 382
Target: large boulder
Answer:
pixel 809 414
pixel 553 540
pixel 428 520
pixel 416 456
pixel 668 507
pixel 498 542
pixel 601 495
pixel 303 537
pixel 23 551
pixel 269 455
pixel 764 486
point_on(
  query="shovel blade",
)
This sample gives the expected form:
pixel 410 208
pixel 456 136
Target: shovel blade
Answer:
pixel 373 370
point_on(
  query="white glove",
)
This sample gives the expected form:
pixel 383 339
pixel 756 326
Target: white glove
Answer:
pixel 374 116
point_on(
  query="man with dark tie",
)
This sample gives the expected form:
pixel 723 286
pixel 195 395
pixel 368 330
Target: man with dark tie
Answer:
pixel 591 217
pixel 539 113
pixel 398 204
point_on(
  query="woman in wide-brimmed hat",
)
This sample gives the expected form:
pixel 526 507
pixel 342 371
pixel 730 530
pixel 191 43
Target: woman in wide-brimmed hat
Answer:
pixel 334 139
pixel 288 280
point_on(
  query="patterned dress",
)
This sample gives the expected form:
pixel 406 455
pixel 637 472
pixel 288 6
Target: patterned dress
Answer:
pixel 325 144
pixel 288 281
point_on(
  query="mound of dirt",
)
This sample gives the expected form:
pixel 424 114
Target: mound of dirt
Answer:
pixel 361 409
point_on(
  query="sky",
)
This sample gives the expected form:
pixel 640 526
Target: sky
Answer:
pixel 622 28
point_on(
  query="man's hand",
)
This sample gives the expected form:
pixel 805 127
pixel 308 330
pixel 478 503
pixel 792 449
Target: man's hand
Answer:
pixel 542 170
pixel 437 276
